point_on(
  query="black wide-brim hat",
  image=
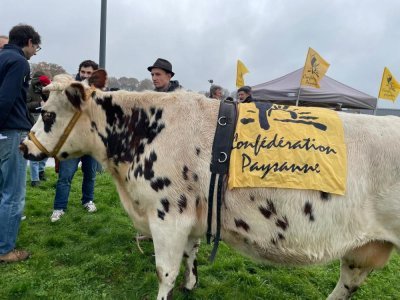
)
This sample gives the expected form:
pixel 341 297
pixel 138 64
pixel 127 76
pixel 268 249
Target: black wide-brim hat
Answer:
pixel 162 64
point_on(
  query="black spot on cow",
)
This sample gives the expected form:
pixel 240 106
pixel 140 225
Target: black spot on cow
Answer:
pixel 160 214
pixel 308 211
pixel 64 154
pixel 185 172
pixel 185 255
pixel 252 197
pixel 159 183
pixel 148 166
pixel 195 177
pixel 165 204
pixel 138 171
pixel 194 270
pixel 197 151
pixel 281 236
pixel 325 196
pixel 182 203
pixel 128 134
pixel 242 224
pixel 269 210
pixel 48 118
pixel 197 201
pixel 282 223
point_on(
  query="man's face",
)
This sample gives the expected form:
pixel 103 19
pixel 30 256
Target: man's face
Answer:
pixel 242 95
pixel 85 72
pixel 3 41
pixel 218 94
pixel 160 78
pixel 30 50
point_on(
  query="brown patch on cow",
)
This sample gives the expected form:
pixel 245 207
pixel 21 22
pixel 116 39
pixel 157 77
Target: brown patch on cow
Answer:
pixel 159 274
pixel 325 196
pixel 371 255
pixel 182 203
pixel 242 224
pixel 185 172
pixel 282 223
pixel 308 211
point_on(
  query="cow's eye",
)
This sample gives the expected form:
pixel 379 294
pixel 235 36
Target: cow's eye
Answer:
pixel 48 117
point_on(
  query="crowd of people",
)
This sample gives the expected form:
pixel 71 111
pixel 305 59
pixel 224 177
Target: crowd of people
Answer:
pixel 21 98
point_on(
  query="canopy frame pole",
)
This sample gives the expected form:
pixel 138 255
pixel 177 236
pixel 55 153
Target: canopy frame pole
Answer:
pixel 298 96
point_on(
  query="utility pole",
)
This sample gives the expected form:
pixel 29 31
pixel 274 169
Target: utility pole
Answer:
pixel 103 31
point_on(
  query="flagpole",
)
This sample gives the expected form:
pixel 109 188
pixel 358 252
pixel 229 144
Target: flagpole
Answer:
pixel 377 98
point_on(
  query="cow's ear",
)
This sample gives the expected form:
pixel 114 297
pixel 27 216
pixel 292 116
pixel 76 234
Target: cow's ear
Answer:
pixel 98 79
pixel 75 93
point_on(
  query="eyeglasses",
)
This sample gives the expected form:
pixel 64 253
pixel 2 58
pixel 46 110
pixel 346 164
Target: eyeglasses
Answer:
pixel 38 48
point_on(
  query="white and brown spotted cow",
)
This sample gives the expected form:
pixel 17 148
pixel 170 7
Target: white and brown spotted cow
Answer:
pixel 157 147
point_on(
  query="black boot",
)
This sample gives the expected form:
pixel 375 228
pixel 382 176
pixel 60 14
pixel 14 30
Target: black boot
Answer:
pixel 42 176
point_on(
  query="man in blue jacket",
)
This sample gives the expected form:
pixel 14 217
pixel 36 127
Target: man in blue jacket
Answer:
pixel 23 43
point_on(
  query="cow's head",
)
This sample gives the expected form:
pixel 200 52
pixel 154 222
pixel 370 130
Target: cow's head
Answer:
pixel 63 128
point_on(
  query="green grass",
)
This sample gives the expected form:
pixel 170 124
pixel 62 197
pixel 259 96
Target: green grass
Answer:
pixel 94 256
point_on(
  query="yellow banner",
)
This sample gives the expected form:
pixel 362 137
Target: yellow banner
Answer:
pixel 314 69
pixel 288 147
pixel 240 71
pixel 390 88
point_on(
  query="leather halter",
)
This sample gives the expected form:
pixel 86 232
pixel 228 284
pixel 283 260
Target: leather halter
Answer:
pixel 62 139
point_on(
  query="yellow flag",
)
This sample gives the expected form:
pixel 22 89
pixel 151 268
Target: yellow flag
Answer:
pixel 390 88
pixel 241 70
pixel 314 69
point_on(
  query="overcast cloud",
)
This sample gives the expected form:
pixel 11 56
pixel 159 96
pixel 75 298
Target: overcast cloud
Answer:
pixel 204 39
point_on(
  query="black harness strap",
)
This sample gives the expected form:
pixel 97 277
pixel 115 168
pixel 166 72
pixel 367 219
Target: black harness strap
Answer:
pixel 221 152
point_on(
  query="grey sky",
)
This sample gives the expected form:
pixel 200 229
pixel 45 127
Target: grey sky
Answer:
pixel 204 39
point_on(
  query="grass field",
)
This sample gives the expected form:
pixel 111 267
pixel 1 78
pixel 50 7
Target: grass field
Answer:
pixel 94 256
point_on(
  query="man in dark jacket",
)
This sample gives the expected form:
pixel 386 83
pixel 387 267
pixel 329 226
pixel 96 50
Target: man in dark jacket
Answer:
pixel 161 74
pixel 244 94
pixel 23 43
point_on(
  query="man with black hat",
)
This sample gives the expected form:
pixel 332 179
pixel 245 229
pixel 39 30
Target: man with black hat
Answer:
pixel 244 94
pixel 161 74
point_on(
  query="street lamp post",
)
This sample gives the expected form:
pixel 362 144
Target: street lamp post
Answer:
pixel 103 30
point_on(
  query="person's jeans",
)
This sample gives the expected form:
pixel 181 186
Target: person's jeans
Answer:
pixel 12 187
pixel 36 167
pixel 66 173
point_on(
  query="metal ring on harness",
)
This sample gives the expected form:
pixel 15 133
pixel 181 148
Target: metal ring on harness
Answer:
pixel 225 157
pixel 220 121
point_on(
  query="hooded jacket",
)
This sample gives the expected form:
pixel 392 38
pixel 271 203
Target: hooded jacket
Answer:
pixel 14 83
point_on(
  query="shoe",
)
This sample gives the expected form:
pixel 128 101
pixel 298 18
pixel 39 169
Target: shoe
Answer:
pixel 23 218
pixel 42 176
pixel 90 207
pixel 35 183
pixel 56 215
pixel 14 256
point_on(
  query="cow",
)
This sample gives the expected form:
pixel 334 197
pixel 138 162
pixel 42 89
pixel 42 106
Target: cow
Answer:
pixel 157 147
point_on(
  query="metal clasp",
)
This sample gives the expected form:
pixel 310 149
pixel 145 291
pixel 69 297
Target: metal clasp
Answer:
pixel 225 157
pixel 220 119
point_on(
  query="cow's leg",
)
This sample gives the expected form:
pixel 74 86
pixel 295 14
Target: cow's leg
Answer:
pixel 357 264
pixel 191 249
pixel 169 239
